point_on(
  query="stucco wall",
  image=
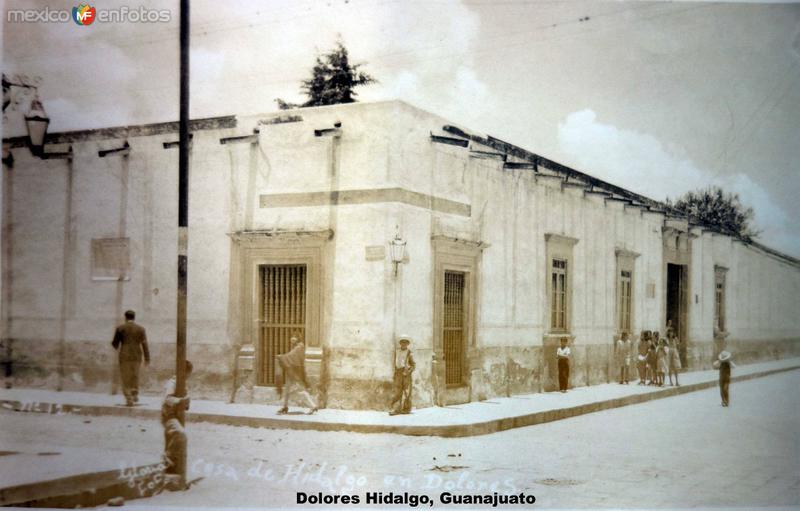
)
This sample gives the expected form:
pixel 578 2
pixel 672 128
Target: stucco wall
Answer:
pixel 511 212
pixel 133 197
pixel 283 183
pixel 761 296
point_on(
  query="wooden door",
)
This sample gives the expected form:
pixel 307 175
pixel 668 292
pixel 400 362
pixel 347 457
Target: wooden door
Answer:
pixel 453 333
pixel 283 314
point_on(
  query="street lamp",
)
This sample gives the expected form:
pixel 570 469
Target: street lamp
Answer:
pixel 398 249
pixel 37 121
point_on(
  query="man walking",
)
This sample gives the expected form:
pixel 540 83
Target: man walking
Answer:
pixel 403 369
pixel 293 365
pixel 131 342
pixel 724 364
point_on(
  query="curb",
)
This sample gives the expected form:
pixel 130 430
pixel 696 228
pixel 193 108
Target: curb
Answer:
pixel 448 431
pixel 86 490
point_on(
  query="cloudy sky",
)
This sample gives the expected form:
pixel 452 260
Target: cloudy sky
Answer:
pixel 659 98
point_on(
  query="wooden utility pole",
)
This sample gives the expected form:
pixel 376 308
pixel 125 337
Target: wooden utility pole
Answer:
pixel 183 217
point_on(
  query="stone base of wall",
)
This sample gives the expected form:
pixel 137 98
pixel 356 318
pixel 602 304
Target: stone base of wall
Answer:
pixel 92 366
pixel 361 394
pixel 348 394
pixel 506 371
pixel 527 370
pixel 749 351
pixel 339 388
pixel 701 355
pixel 495 371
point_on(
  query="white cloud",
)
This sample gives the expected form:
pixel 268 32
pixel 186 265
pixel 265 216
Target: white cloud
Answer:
pixel 425 58
pixel 61 108
pixel 469 87
pixel 641 163
pixel 251 53
pixel 206 64
pixel 406 84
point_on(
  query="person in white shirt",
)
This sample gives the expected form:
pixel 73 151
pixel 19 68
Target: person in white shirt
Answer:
pixel 563 354
pixel 622 356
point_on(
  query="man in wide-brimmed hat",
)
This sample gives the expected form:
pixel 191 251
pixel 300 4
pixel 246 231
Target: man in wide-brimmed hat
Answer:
pixel 724 364
pixel 403 369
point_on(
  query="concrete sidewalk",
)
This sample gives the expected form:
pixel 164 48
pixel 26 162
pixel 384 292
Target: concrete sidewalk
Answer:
pixel 477 418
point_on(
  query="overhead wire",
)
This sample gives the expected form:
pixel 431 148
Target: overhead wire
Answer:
pixel 748 128
pixel 379 61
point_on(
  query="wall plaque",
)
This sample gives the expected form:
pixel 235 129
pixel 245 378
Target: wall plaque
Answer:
pixel 375 253
pixel 111 259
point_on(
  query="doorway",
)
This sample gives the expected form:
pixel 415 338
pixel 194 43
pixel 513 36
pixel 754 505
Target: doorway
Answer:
pixel 453 330
pixel 282 314
pixel 677 304
pixel 455 286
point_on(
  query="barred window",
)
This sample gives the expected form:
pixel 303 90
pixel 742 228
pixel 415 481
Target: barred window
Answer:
pixel 558 264
pixel 625 300
pixel 558 300
pixel 719 299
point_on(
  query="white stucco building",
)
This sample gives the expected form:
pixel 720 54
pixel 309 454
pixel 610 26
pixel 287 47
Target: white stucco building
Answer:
pixel 290 231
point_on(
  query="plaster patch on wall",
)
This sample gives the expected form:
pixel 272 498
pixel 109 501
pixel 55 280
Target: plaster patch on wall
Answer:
pixel 111 259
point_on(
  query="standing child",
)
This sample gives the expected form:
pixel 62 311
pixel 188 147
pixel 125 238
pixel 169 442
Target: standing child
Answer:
pixel 652 359
pixel 623 357
pixel 662 366
pixel 674 358
pixel 562 354
pixel 724 364
pixel 641 359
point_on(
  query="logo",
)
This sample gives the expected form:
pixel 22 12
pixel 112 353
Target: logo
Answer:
pixel 84 14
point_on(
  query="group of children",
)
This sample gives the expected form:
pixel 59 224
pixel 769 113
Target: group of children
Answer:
pixel 656 357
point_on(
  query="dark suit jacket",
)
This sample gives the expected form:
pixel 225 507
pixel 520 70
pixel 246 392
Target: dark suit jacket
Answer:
pixel 131 341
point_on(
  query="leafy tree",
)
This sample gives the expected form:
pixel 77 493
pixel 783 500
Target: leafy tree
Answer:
pixel 332 81
pixel 713 207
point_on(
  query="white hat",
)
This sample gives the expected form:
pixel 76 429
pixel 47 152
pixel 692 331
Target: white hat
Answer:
pixel 724 355
pixel 403 338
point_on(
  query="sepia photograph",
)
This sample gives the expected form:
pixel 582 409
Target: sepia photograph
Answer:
pixel 400 254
